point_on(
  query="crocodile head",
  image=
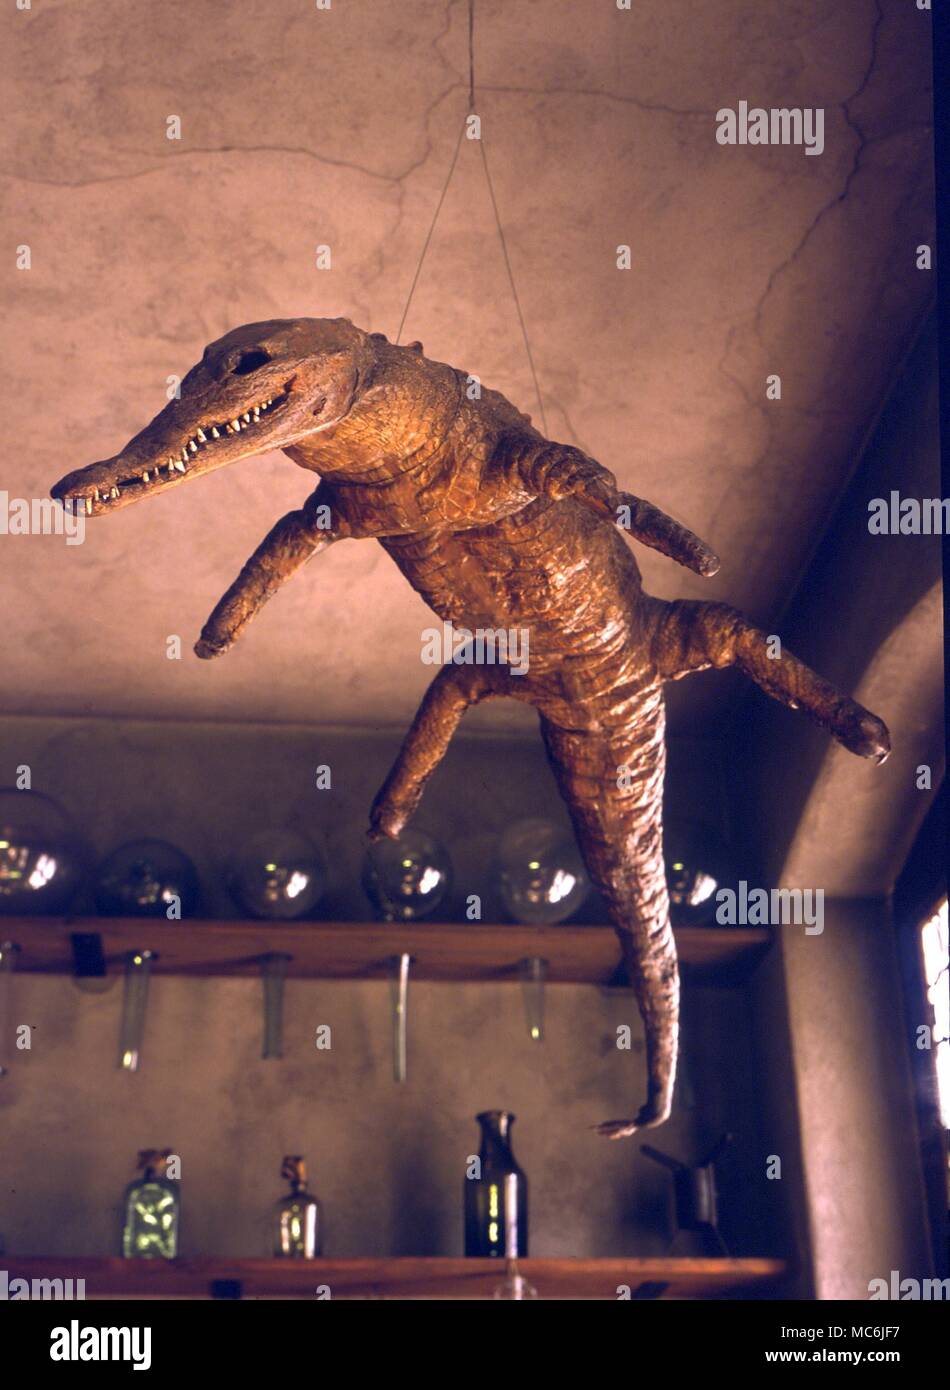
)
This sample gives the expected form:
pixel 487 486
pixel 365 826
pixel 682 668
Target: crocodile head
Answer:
pixel 264 386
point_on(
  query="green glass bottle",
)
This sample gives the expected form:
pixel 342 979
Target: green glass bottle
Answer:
pixel 152 1210
pixel 496 1193
pixel 298 1214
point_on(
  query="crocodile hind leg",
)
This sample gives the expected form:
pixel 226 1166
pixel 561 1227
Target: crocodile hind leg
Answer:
pixel 612 782
pixel 693 636
pixel 451 693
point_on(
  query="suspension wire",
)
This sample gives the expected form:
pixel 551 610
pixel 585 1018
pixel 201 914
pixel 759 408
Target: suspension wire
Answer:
pixel 511 281
pixel 471 55
pixel 435 218
pixel 495 211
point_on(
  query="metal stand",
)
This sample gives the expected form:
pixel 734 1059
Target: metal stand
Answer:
pixel 138 969
pixel 534 973
pixel 694 1193
pixel 400 1012
pixel 273 976
pixel 9 951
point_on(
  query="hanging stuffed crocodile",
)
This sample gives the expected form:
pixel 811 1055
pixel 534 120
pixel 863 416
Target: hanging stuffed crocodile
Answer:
pixel 498 529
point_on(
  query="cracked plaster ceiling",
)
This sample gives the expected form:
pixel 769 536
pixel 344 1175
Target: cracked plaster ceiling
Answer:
pixel 301 127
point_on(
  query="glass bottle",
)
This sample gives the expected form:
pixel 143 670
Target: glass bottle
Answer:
pixel 298 1214
pixel 496 1195
pixel 152 1210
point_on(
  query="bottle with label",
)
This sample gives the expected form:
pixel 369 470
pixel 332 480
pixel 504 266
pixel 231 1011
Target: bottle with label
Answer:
pixel 496 1193
pixel 298 1214
pixel 152 1210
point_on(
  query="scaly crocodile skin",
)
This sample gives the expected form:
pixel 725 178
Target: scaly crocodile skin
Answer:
pixel 497 528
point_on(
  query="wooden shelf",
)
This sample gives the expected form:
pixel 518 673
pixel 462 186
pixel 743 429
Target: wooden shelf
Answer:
pixel 402 1278
pixel 356 950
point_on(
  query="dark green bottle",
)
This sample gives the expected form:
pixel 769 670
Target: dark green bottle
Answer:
pixel 152 1210
pixel 496 1193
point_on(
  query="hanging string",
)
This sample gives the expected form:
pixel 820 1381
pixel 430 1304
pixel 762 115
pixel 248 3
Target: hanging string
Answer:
pixel 471 55
pixel 435 218
pixel 514 292
pixel 496 213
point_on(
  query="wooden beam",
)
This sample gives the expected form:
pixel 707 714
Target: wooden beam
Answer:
pixel 400 1277
pixel 355 950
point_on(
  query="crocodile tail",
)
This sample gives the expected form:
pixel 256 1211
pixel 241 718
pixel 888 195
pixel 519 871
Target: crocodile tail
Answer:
pixel 612 782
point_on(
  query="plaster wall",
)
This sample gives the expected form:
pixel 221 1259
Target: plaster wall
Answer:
pixel 302 128
pixel 851 1040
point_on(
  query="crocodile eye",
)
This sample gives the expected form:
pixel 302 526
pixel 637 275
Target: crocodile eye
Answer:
pixel 250 361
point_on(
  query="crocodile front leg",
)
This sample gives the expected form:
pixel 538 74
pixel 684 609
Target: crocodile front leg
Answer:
pixel 296 538
pixel 556 471
pixel 451 693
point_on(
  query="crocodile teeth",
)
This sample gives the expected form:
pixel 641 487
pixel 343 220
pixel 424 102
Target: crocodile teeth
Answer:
pixel 193 446
pixel 181 467
pixel 88 502
pixel 215 432
pixel 115 492
pixel 235 424
pixel 202 436
pixel 145 477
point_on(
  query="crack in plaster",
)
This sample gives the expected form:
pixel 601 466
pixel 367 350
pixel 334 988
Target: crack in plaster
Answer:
pixel 761 406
